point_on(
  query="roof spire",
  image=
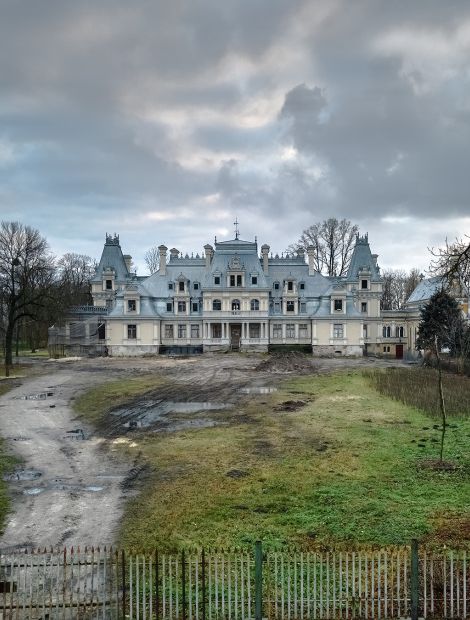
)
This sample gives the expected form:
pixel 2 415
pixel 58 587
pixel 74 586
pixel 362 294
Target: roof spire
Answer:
pixel 237 232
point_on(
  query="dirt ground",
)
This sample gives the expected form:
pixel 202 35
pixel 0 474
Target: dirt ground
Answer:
pixel 71 488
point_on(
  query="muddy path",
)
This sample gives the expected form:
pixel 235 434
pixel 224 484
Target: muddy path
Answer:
pixel 71 488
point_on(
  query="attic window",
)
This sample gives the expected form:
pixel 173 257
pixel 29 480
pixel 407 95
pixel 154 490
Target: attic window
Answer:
pixel 216 279
pixel 254 279
pixel 109 285
pixel 181 285
pixel 131 305
pixel 302 286
pixel 364 284
pixel 276 286
pixel 338 305
pixel 169 306
pixel 290 285
pixel 170 286
pixel 196 286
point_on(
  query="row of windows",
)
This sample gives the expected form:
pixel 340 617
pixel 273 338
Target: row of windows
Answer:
pixel 217 304
pixel 387 331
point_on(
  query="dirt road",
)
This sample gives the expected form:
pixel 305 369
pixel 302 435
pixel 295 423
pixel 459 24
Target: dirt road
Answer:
pixel 69 488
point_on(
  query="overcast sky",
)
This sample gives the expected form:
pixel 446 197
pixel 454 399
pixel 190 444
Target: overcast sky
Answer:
pixel 164 120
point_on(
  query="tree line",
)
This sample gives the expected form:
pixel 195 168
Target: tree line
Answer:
pixel 36 288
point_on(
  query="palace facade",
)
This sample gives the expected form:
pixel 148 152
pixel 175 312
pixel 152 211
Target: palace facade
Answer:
pixel 236 296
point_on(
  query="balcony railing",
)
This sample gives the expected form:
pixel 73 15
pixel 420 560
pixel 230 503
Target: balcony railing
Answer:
pixel 88 310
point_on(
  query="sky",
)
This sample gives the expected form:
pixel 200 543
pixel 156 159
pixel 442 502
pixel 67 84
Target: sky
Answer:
pixel 166 120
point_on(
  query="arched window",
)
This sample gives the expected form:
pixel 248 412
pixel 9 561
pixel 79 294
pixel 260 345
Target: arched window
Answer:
pixel 399 331
pixel 386 331
pixel 254 304
pixel 216 304
pixel 236 305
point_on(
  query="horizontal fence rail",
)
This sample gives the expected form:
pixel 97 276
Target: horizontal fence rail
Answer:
pixel 400 582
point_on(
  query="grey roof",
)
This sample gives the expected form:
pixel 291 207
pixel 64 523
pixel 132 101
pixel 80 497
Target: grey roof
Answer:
pixel 112 257
pixel 362 259
pixel 425 290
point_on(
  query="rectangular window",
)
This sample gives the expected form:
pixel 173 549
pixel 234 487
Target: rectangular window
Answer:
pixel 232 280
pixel 364 284
pixel 170 286
pixel 131 305
pixel 181 330
pixel 290 286
pixel 196 286
pixel 194 331
pixel 363 306
pixel 217 330
pixel 254 279
pixel 277 330
pixel 239 280
pixel 195 306
pixel 303 330
pixel 276 286
pixel 290 306
pixel 109 285
pixel 303 307
pixel 364 331
pixel 168 331
pixel 255 330
pixel 277 307
pixel 132 332
pixel 338 330
pixel 216 279
pixel 181 306
pixel 302 286
pixel 169 306
pixel 290 330
pixel 338 305
pixel 181 286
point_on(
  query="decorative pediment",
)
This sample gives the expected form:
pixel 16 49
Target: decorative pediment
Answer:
pixel 235 263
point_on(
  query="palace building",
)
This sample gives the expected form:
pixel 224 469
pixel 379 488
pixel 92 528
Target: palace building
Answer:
pixel 237 297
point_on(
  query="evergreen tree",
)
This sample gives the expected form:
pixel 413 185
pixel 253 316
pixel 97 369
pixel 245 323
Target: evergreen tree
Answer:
pixel 442 324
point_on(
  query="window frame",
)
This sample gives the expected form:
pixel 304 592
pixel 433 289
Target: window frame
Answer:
pixel 217 302
pixel 338 331
pixel 254 305
pixel 131 331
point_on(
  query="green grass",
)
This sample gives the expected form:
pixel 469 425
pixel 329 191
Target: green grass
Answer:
pixel 345 467
pixel 7 463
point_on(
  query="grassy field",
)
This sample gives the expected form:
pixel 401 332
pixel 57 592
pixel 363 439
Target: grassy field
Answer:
pixel 344 465
pixel 7 462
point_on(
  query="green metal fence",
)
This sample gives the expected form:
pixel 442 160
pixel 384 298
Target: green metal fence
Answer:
pixel 395 582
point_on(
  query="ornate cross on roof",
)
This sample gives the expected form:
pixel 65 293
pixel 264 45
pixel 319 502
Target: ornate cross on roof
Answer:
pixel 237 232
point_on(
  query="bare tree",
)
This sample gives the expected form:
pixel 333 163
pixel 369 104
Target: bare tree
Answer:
pixel 74 273
pixel 26 278
pixel 453 262
pixel 397 287
pixel 333 241
pixel 152 259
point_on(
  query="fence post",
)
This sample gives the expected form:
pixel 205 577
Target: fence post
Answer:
pixel 414 579
pixel 258 580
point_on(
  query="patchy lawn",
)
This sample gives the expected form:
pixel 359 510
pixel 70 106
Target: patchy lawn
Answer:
pixel 7 462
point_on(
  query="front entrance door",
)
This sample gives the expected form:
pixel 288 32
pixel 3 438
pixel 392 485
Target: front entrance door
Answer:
pixel 399 351
pixel 235 335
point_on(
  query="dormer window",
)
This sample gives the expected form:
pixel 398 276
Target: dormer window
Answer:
pixel 217 280
pixel 235 280
pixel 196 286
pixel 254 279
pixel 181 286
pixel 109 285
pixel 364 284
pixel 169 306
pixel 290 306
pixel 170 286
pixel 276 286
pixel 290 285
pixel 338 305
pixel 181 306
pixel 302 286
pixel 131 305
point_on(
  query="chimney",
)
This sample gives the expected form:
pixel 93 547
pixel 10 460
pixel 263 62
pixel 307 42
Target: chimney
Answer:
pixel 301 253
pixel 264 254
pixel 128 261
pixel 174 253
pixel 209 250
pixel 162 249
pixel 311 260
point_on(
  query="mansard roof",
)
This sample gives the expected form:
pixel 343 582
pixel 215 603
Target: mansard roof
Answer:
pixel 362 260
pixel 112 257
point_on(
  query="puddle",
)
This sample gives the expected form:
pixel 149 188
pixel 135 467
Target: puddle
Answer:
pixel 40 396
pixel 94 489
pixel 257 390
pixel 34 491
pixel 146 414
pixel 22 474
pixel 20 438
pixel 77 433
